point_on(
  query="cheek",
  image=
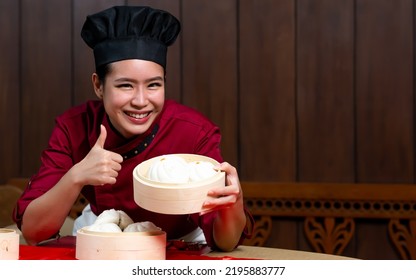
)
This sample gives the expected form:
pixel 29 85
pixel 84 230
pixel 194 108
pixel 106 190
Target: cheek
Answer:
pixel 111 102
pixel 159 100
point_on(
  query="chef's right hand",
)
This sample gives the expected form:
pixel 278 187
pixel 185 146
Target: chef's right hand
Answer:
pixel 99 167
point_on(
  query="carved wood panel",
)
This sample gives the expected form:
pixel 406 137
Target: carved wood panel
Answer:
pixel 403 235
pixel 329 235
pixel 261 231
pixel 331 209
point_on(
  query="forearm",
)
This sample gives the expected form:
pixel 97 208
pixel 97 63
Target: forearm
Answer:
pixel 229 225
pixel 45 215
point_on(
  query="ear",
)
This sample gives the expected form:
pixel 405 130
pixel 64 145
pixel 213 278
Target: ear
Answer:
pixel 98 87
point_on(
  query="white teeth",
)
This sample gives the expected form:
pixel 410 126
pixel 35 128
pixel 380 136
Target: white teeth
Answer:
pixel 138 116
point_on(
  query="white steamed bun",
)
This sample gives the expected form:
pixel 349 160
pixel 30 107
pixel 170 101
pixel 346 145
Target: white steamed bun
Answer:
pixel 108 216
pixel 118 221
pixel 105 227
pixel 169 169
pixel 176 170
pixel 200 170
pixel 141 227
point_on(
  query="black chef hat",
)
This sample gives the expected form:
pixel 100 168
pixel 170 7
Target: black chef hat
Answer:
pixel 130 32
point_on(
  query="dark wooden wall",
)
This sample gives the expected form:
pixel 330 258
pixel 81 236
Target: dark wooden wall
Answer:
pixel 303 90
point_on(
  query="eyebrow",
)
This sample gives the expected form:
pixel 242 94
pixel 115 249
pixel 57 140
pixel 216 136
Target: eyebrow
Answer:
pixel 158 78
pixel 153 79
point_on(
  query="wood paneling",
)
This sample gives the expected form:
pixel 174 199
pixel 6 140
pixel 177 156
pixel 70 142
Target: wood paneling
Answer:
pixel 384 91
pixel 384 104
pixel 9 90
pixel 209 64
pixel 303 90
pixel 46 73
pixel 325 84
pixel 325 105
pixel 267 124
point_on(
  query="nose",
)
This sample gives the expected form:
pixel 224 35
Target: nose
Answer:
pixel 139 98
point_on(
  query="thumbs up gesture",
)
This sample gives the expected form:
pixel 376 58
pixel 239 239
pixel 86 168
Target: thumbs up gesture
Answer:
pixel 101 139
pixel 99 166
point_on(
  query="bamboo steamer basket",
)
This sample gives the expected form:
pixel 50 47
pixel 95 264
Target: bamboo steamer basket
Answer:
pixel 91 245
pixel 9 244
pixel 171 198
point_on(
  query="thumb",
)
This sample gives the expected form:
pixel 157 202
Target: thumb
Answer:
pixel 101 139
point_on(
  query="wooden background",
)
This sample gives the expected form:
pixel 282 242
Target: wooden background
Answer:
pixel 303 90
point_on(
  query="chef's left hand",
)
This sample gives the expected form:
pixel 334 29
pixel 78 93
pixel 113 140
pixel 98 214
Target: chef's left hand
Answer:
pixel 224 197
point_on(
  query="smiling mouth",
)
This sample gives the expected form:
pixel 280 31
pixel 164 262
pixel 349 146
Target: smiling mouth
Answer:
pixel 138 116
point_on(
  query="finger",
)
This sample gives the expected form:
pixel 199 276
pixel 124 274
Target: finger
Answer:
pixel 117 158
pixel 116 167
pixel 223 191
pixel 207 208
pixel 231 171
pixel 106 181
pixel 107 177
pixel 203 212
pixel 101 139
pixel 224 166
pixel 220 200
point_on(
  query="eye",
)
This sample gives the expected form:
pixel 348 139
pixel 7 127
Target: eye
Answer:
pixel 125 85
pixel 155 85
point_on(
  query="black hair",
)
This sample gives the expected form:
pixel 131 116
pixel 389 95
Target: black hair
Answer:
pixel 102 72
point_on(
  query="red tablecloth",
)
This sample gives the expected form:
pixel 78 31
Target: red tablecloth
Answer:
pixel 45 253
pixel 64 249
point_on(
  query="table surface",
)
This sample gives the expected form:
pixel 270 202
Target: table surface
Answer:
pixel 275 254
pixel 64 248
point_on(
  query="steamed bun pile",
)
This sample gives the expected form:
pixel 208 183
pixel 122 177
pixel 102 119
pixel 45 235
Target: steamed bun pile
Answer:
pixel 118 221
pixel 175 169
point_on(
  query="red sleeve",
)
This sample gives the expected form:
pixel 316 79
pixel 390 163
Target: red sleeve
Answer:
pixel 208 143
pixel 55 162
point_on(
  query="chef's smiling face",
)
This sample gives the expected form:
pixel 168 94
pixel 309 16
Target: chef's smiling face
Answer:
pixel 133 94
